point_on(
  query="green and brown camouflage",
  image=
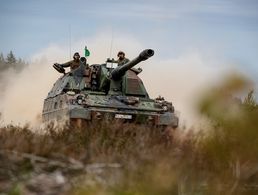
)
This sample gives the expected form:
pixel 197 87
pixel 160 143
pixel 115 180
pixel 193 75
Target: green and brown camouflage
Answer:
pixel 107 91
pixel 123 61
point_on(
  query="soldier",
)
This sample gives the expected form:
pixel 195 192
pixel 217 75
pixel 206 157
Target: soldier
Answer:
pixel 73 64
pixel 121 58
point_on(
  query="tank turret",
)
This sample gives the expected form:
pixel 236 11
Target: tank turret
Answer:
pixel 118 72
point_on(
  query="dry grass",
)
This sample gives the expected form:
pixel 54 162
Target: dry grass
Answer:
pixel 220 160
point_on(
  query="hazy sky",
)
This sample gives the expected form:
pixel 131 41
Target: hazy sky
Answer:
pixel 227 29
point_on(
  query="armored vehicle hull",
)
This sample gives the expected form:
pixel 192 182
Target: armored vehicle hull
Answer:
pixel 105 92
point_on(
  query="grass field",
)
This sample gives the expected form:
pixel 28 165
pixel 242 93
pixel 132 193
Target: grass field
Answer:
pixel 130 159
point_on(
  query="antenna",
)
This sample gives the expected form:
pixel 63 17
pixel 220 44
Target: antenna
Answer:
pixel 70 42
pixel 111 45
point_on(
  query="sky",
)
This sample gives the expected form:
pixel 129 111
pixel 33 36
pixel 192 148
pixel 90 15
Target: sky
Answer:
pixel 225 28
pixel 194 39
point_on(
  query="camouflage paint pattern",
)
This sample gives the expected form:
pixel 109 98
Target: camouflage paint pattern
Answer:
pixel 99 92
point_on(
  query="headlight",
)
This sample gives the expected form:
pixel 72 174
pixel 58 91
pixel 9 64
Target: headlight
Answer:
pixel 165 108
pixel 80 99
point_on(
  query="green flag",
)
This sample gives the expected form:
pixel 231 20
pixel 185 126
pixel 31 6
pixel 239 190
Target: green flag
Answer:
pixel 86 52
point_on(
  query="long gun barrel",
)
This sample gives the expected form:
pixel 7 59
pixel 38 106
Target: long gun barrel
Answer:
pixel 120 70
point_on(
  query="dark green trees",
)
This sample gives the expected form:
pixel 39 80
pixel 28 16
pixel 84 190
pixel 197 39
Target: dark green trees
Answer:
pixel 11 62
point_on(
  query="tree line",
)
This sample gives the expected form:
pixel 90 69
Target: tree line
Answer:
pixel 10 61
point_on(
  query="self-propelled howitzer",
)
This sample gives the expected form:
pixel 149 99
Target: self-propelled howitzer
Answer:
pixel 107 91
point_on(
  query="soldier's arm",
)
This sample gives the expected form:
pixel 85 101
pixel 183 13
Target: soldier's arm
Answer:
pixel 67 64
pixel 126 60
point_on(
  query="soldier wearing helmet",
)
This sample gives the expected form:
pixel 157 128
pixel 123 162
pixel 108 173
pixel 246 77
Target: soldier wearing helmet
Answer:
pixel 73 64
pixel 121 58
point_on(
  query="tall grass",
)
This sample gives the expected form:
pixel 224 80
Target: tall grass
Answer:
pixel 222 159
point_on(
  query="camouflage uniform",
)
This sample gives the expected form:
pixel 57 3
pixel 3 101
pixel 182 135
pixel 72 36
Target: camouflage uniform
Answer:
pixel 73 64
pixel 122 62
pixel 121 58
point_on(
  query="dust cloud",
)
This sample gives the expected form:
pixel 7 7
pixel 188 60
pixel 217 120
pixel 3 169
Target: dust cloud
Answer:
pixel 22 100
pixel 183 81
pixel 179 80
